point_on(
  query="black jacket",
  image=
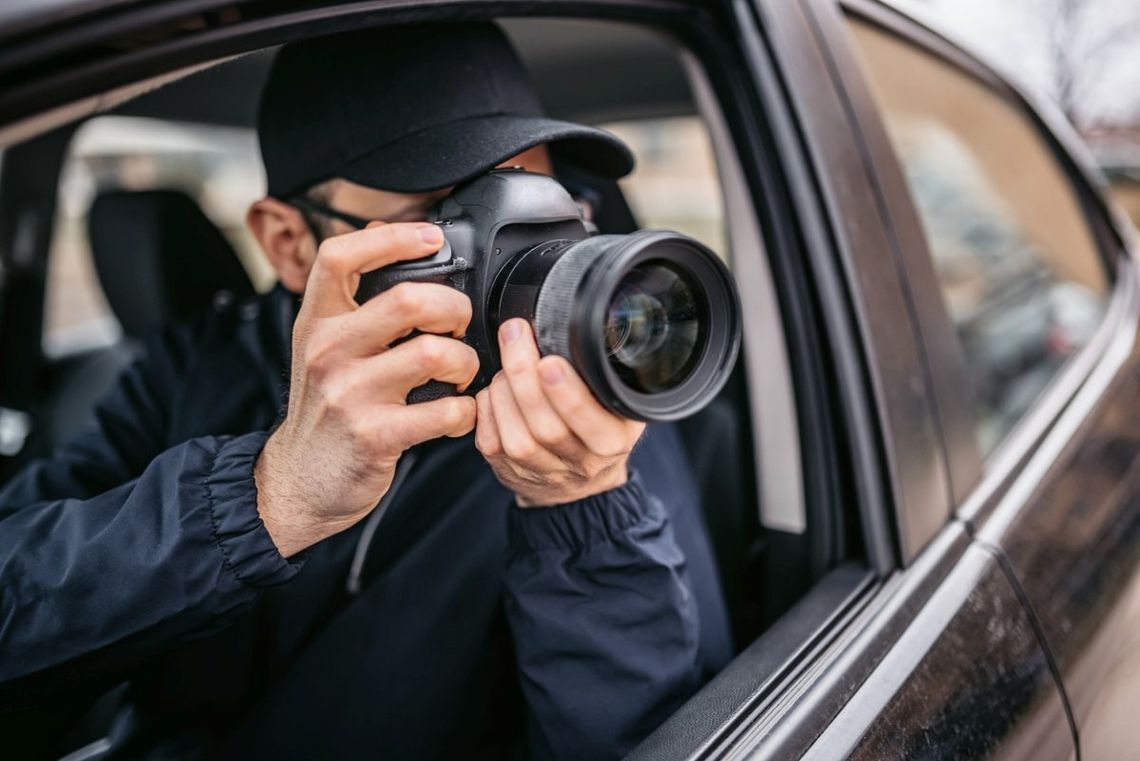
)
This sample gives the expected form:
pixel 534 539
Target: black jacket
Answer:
pixel 135 554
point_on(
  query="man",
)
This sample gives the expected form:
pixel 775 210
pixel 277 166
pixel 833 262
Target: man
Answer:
pixel 226 567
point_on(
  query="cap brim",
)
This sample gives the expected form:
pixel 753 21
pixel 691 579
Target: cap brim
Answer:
pixel 448 154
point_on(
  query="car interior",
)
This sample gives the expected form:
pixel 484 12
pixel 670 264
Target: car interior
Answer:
pixel 146 200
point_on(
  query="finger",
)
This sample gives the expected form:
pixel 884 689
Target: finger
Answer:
pixel 599 429
pixel 341 260
pixel 412 424
pixel 395 313
pixel 417 361
pixel 514 435
pixel 519 354
pixel 486 431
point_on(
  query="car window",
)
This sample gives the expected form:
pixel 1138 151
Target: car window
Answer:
pixel 1017 261
pixel 217 166
pixel 674 184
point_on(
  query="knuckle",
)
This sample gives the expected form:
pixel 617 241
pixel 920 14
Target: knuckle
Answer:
pixel 463 414
pixel 432 350
pixel 520 448
pixel 403 298
pixel 332 254
pixel 335 398
pixel 488 446
pixel 551 434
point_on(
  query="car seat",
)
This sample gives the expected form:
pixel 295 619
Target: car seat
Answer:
pixel 159 259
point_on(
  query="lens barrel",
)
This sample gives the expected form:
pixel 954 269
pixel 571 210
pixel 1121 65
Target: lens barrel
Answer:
pixel 650 320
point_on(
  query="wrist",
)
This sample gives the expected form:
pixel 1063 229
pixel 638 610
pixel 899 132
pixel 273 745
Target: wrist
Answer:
pixel 283 513
pixel 545 497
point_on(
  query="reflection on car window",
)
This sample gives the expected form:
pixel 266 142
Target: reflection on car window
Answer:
pixel 217 166
pixel 1019 268
pixel 674 184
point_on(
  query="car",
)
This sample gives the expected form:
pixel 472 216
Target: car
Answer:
pixel 922 481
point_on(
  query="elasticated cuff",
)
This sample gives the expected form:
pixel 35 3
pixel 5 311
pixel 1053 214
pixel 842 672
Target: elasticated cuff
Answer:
pixel 602 518
pixel 245 543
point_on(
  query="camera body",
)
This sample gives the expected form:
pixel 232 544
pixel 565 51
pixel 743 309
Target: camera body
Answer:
pixel 486 224
pixel 650 320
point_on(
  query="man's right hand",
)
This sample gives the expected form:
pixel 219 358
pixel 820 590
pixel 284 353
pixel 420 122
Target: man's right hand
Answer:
pixel 333 456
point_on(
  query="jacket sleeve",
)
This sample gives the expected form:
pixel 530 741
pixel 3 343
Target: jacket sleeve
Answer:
pixel 116 548
pixel 604 622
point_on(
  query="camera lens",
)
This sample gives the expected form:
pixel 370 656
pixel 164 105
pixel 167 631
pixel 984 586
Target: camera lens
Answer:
pixel 653 324
pixel 651 320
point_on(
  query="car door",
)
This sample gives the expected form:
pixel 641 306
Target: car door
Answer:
pixel 943 660
pixel 1057 491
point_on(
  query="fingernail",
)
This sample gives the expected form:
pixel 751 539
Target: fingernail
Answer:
pixel 431 234
pixel 551 373
pixel 510 330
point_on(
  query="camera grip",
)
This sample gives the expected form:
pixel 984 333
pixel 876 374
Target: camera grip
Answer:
pixel 431 391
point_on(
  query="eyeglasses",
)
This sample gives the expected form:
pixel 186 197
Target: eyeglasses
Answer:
pixel 302 202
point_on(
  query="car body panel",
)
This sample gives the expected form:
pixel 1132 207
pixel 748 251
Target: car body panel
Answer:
pixel 968 679
pixel 1070 526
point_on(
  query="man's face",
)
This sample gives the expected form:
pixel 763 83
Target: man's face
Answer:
pixel 289 243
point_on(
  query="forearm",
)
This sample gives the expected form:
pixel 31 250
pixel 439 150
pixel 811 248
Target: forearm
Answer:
pixel 604 622
pixel 168 556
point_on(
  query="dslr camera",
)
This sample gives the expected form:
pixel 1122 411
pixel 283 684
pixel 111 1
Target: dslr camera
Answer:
pixel 650 320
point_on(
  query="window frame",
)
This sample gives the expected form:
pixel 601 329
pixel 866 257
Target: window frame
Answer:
pixel 976 477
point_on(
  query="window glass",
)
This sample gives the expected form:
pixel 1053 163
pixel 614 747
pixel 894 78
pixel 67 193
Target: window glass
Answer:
pixel 1019 267
pixel 674 184
pixel 218 167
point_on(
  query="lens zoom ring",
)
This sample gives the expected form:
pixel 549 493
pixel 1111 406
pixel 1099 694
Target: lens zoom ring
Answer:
pixel 554 310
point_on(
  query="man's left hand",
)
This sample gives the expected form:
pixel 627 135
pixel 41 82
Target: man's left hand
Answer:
pixel 545 435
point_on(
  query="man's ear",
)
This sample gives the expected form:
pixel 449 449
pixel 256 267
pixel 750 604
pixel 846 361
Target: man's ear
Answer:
pixel 286 240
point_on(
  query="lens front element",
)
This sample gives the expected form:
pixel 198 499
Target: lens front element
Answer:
pixel 653 326
pixel 650 320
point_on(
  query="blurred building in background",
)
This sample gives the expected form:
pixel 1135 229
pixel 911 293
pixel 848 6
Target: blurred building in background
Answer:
pixel 1083 55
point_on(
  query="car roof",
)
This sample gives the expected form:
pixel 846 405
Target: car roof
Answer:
pixel 583 70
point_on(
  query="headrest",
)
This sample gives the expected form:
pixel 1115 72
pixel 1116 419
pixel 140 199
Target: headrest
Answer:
pixel 159 258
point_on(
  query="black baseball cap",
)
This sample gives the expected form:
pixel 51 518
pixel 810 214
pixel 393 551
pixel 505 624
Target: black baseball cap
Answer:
pixel 411 109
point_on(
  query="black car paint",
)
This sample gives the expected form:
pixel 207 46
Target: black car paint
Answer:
pixel 928 701
pixel 955 648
